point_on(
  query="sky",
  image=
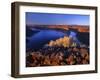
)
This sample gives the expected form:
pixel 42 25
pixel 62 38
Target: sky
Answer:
pixel 56 19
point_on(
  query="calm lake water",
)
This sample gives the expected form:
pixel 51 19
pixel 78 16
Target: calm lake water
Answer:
pixel 38 39
pixel 43 37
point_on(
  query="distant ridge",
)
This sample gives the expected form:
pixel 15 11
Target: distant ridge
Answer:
pixel 79 28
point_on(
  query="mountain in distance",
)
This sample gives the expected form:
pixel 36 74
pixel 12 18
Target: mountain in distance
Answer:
pixel 79 28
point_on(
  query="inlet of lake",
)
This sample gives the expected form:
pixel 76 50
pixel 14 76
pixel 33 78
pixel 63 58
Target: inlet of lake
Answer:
pixel 41 37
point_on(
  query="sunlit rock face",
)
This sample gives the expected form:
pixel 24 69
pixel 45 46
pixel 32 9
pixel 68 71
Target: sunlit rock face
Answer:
pixel 65 41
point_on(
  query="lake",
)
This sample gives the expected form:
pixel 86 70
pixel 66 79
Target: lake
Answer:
pixel 39 38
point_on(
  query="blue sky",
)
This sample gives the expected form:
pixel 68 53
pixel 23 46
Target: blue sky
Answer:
pixel 56 19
